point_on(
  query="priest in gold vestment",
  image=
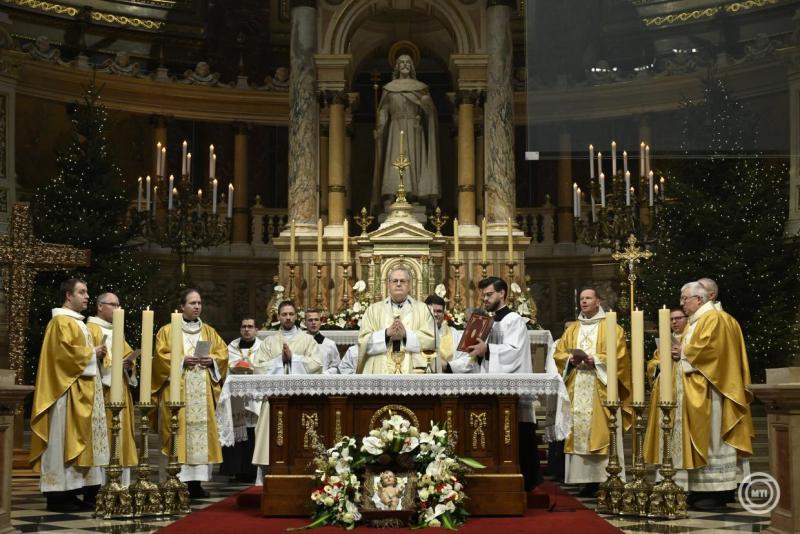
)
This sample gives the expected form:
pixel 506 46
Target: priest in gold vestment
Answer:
pixel 101 328
pixel 713 427
pixel 198 438
pixel 586 448
pixel 395 331
pixel 69 440
pixel 290 351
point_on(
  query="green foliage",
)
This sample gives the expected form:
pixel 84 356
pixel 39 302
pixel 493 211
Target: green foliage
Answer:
pixel 86 206
pixel 725 219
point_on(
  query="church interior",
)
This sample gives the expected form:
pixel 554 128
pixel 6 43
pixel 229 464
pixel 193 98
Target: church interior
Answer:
pixel 259 152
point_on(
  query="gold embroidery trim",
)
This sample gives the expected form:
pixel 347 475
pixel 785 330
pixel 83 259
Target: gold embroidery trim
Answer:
pixel 507 427
pixel 338 425
pixel 449 422
pixel 279 429
pixel 478 423
pixel 309 421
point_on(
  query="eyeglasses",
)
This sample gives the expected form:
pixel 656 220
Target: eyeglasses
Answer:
pixel 684 299
pixel 112 304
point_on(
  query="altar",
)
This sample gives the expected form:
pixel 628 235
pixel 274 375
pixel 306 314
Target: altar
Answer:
pixel 481 409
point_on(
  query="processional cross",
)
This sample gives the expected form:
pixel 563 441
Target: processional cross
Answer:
pixel 631 256
pixel 21 257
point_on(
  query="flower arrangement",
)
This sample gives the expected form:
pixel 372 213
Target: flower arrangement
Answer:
pixel 440 496
pixel 522 303
pixel 350 318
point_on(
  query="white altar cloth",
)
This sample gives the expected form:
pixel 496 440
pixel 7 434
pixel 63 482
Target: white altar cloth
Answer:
pixel 546 390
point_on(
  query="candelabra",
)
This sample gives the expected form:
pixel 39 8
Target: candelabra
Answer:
pixel 345 284
pixel 510 264
pixel 173 491
pixel 320 303
pixel 191 222
pixel 113 499
pixel 363 221
pixel 145 494
pixel 667 499
pixel 457 307
pixel 484 269
pixel 609 495
pixel 438 220
pixel 635 498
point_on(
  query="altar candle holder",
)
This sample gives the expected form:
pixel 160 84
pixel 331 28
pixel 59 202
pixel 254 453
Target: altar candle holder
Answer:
pixel 320 304
pixel 145 494
pixel 292 265
pixel 457 307
pixel 510 265
pixel 667 499
pixel 113 499
pixel 484 269
pixel 609 494
pixel 345 265
pixel 636 495
pixel 175 494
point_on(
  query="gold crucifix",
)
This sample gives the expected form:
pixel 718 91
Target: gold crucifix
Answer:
pixel 401 164
pixel 631 256
pixel 21 257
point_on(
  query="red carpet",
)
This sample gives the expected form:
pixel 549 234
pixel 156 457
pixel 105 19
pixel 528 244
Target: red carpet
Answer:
pixel 568 515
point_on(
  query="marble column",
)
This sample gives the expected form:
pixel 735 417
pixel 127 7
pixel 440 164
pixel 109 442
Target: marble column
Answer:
pixel 499 109
pixel 159 123
pixel 480 170
pixel 465 100
pixel 241 218
pixel 565 223
pixel 323 171
pixel 303 116
pixel 336 158
pixel 793 75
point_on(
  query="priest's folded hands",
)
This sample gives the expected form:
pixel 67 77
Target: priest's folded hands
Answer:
pixel 202 361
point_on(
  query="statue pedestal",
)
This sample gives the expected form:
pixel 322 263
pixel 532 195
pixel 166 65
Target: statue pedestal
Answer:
pixel 782 401
pixel 10 397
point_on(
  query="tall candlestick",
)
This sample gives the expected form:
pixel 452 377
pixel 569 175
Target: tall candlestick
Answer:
pixel 455 240
pixel 146 378
pixel 176 356
pixel 184 148
pixel 637 354
pixel 230 200
pixel 319 240
pixel 641 160
pixel 292 257
pixel 647 167
pixel 189 163
pixel 665 355
pixel 624 161
pixel 510 241
pixel 580 200
pixel 117 353
pixel 599 163
pixel 158 158
pixel 346 241
pixel 139 196
pixel 212 170
pixel 602 190
pixel 612 394
pixel 613 158
pixel 169 195
pixel 627 188
pixel 147 194
pixel 591 161
pixel 162 171
pixel 650 186
pixel 402 143
pixel 214 196
pixel 483 241
pixel 574 200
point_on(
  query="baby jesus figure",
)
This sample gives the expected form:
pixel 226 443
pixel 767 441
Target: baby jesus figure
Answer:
pixel 389 492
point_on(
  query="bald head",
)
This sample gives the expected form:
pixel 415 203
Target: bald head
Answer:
pixel 711 288
pixel 106 304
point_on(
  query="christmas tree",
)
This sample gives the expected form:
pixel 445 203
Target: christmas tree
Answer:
pixel 86 206
pixel 724 218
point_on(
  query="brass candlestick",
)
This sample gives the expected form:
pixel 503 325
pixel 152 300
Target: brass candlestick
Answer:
pixel 173 491
pixel 363 221
pixel 291 265
pixel 609 494
pixel 320 304
pixel 510 265
pixel 457 307
pixel 345 283
pixel 667 499
pixel 484 269
pixel 438 220
pixel 635 498
pixel 145 494
pixel 113 499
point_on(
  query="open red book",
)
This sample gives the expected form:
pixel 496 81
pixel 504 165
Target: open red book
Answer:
pixel 478 328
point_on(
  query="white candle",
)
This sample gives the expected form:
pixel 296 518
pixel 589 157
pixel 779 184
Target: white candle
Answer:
pixel 602 190
pixel 574 200
pixel 662 181
pixel 611 356
pixel 455 239
pixel 483 241
pixel 594 208
pixel 665 355
pixel 145 384
pixel 319 240
pixel 147 195
pixel 230 200
pixel 199 198
pixel 599 163
pixel 650 187
pixel 627 188
pixel 591 161
pixel 214 196
pixel 158 158
pixel 155 199
pixel 291 242
pixel 139 197
pixel 171 188
pixel 624 161
pixel 163 168
pixel 613 158
pixel 346 241
pixel 647 168
pixel 213 168
pixel 176 357
pixel 510 241
pixel 185 146
pixel 637 354
pixel 211 163
pixel 189 163
pixel 580 200
pixel 641 160
pixel 402 142
pixel 117 353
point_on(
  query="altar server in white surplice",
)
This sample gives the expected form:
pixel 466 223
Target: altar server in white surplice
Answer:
pixel 290 351
pixel 396 331
pixel 349 361
pixel 327 347
pixel 507 350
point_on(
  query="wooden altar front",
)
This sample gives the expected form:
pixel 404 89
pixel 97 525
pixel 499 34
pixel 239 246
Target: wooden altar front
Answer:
pixel 485 426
